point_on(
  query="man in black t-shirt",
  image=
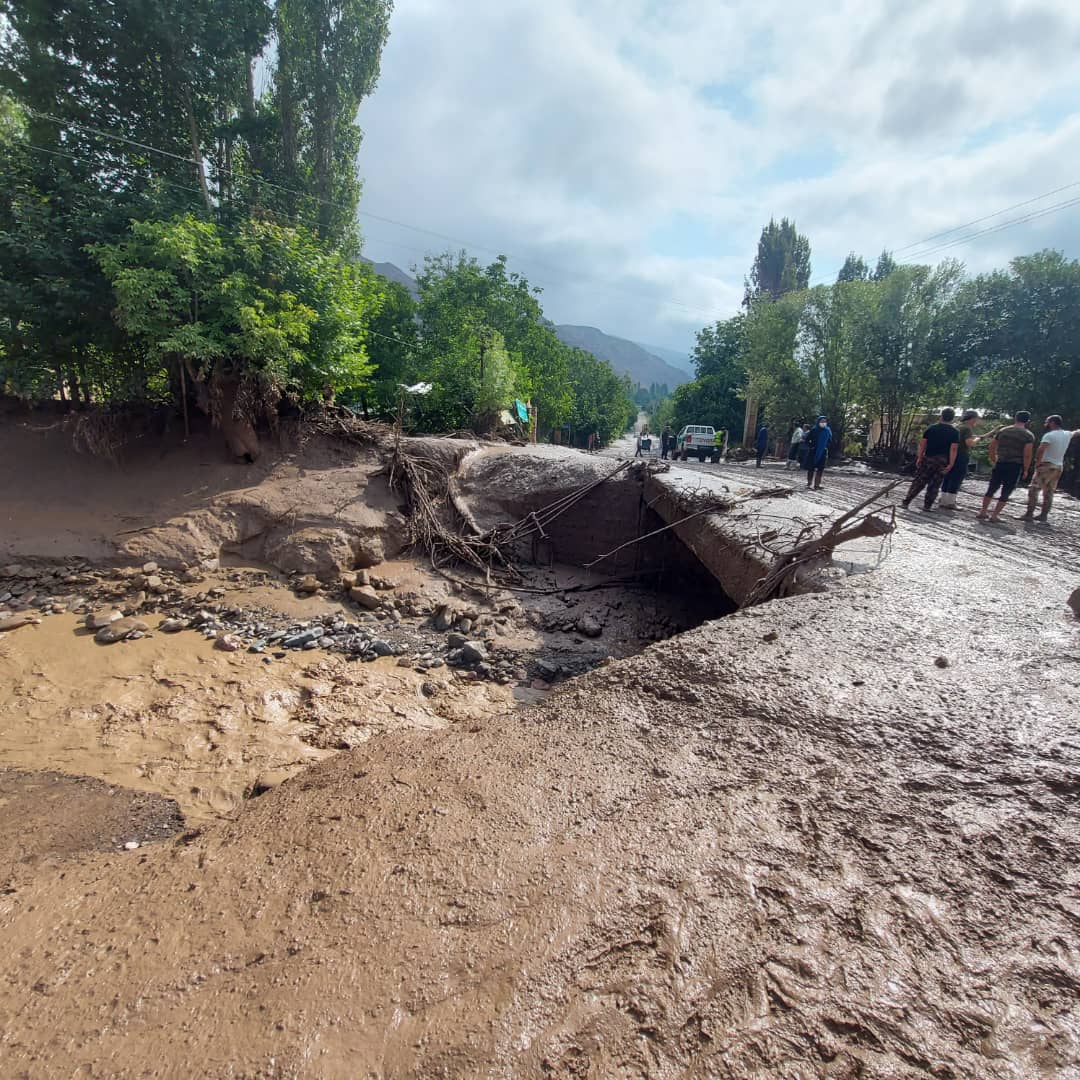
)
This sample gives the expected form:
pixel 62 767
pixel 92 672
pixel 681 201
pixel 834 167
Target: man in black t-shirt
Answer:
pixel 937 455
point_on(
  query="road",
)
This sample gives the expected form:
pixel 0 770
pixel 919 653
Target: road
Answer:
pixel 1011 541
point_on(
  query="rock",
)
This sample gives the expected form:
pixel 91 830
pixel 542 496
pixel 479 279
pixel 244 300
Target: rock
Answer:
pixel 361 577
pixel 14 622
pixel 11 570
pixel 772 635
pixel 547 671
pixel 455 640
pixel 298 641
pixel 228 643
pixel 381 648
pixel 942 661
pixel 1074 602
pixel 154 584
pixel 119 629
pixel 444 617
pixel 404 662
pixel 473 652
pixel 429 689
pixel 102 619
pixel 365 596
pixel 589 627
pixel 172 626
pixel 307 585
pixel 150 568
pixel 348 581
pixel 132 845
pixel 191 577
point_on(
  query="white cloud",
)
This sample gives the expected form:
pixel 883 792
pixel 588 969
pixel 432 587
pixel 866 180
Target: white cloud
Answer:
pixel 571 134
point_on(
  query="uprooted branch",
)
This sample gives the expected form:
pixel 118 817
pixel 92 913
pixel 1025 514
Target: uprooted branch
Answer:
pixel 859 521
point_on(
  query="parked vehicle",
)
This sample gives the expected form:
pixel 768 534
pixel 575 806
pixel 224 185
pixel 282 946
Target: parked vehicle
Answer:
pixel 696 440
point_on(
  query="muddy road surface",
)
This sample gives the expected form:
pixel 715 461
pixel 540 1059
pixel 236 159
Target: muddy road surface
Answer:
pixel 834 835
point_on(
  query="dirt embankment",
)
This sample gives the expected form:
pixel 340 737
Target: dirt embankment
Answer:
pixel 832 836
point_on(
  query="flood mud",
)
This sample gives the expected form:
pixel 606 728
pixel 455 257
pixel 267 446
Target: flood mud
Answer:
pixel 833 835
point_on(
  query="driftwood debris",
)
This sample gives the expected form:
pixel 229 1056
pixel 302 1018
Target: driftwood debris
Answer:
pixel 870 518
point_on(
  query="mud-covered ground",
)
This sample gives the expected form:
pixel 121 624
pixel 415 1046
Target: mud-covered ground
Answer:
pixel 835 835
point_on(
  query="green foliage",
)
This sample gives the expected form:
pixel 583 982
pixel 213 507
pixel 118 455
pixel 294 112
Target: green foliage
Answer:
pixel 259 300
pixel 782 264
pixel 1018 331
pixel 854 269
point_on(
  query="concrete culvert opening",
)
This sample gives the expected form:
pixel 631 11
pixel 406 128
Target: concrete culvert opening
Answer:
pixel 598 555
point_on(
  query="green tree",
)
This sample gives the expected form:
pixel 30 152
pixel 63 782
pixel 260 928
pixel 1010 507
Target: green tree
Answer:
pixel 774 375
pixel 854 269
pixel 908 367
pixel 257 308
pixel 782 263
pixel 886 264
pixel 1018 330
pixel 832 350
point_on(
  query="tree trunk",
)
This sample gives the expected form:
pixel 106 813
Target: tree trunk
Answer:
pixel 196 151
pixel 239 433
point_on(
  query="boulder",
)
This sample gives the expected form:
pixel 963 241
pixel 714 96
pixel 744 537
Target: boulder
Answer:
pixel 365 596
pixel 150 568
pixel 14 622
pixel 172 626
pixel 307 585
pixel 228 643
pixel 589 627
pixel 473 652
pixel 1074 602
pixel 119 629
pixel 101 619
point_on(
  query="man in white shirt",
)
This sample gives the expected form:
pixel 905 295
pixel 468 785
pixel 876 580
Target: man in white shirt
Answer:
pixel 1049 461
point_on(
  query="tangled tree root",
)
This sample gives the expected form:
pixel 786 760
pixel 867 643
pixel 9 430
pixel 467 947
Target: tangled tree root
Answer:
pixel 871 518
pixel 101 433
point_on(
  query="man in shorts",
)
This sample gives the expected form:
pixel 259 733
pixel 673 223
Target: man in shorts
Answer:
pixel 1011 451
pixel 1049 461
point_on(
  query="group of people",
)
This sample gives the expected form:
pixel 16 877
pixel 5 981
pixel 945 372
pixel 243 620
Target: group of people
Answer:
pixel 944 455
pixel 809 449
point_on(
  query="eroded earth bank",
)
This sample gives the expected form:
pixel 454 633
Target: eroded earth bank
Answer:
pixel 620 831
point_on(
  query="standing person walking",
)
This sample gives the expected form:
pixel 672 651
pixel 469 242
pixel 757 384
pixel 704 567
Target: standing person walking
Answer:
pixel 665 442
pixel 1011 450
pixel 950 486
pixel 1049 461
pixel 797 434
pixel 762 443
pixel 817 441
pixel 937 455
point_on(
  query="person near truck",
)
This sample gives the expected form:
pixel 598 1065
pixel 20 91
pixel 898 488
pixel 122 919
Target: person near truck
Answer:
pixel 761 444
pixel 667 441
pixel 938 451
pixel 1049 462
pixel 817 443
pixel 1011 451
pixel 950 486
pixel 797 434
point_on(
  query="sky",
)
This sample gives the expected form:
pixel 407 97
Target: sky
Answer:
pixel 625 154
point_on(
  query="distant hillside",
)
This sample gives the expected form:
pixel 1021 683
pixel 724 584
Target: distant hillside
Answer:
pixel 626 357
pixel 681 360
pixel 395 273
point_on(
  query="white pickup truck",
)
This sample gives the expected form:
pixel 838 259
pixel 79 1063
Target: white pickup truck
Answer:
pixel 696 440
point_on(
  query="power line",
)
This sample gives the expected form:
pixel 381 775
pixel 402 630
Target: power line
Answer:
pixel 987 217
pixel 1023 219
